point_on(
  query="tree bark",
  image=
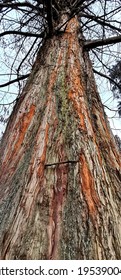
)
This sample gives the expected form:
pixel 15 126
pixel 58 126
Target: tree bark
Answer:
pixel 60 183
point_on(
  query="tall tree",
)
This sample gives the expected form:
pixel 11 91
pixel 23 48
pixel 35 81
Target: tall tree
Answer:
pixel 60 171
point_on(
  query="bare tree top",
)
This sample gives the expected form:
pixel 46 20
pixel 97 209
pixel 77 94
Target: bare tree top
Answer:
pixel 26 24
pixel 34 20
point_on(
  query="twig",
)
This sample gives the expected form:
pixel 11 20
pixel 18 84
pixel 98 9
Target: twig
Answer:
pixel 15 80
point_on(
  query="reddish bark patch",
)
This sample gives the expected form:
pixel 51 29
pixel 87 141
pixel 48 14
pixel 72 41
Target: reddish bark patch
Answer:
pixel 77 108
pixel 14 145
pixel 88 190
pixel 77 93
pixel 72 25
pixel 55 213
pixel 23 124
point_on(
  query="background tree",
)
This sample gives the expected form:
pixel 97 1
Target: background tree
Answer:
pixel 60 176
pixel 115 75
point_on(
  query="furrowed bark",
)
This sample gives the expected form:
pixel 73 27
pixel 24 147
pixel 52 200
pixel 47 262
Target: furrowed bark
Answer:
pixel 60 177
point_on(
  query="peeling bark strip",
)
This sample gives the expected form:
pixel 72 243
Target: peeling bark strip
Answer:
pixel 60 171
pixel 88 189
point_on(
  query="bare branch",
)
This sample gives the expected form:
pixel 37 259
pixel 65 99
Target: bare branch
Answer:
pixel 10 103
pixel 107 77
pixel 100 21
pixel 26 55
pixel 110 108
pixel 49 15
pixel 102 42
pixel 20 5
pixel 15 80
pixel 27 34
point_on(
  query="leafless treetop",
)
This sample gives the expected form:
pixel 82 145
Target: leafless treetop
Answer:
pixel 26 24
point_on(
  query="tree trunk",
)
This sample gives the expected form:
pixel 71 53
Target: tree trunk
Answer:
pixel 60 178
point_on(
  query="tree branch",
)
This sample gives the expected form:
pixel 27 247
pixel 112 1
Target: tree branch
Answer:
pixel 102 42
pixel 26 55
pixel 27 34
pixel 49 15
pixel 15 80
pixel 107 77
pixel 18 5
pixel 5 104
pixel 100 21
pixel 110 108
pixel 77 8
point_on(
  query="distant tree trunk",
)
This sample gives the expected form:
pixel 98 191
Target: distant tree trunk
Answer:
pixel 60 184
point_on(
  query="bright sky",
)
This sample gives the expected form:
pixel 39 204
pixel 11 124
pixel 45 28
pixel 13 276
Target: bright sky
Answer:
pixel 110 102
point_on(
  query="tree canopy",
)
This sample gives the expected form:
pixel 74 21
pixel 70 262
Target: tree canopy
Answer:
pixel 25 25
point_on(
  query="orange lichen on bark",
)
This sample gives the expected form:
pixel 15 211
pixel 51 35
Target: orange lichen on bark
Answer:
pixel 88 190
pixel 76 93
pixel 78 109
pixel 17 139
pixel 72 25
pixel 23 125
